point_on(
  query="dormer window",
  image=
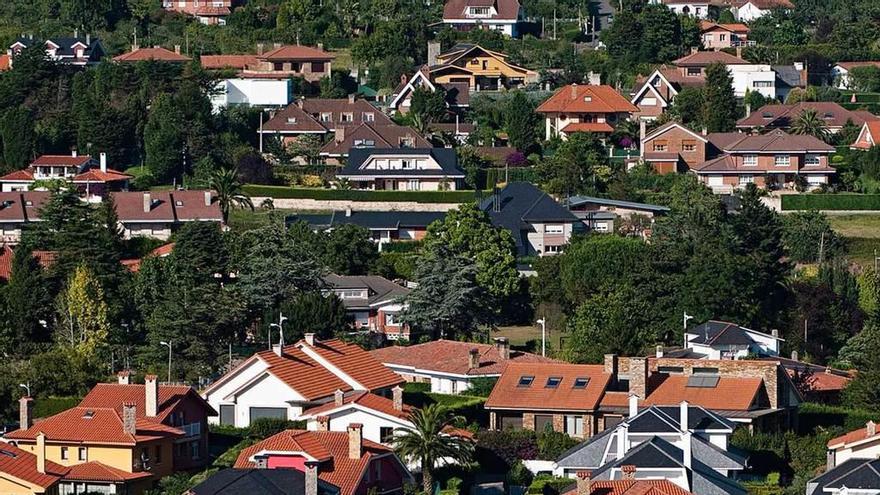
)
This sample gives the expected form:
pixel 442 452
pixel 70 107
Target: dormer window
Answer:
pixel 291 120
pixel 369 117
pixel 326 116
pixel 346 117
pixel 580 382
pixel 588 98
pixel 553 382
pixel 767 115
pixel 479 11
pixel 406 142
pixel 693 71
pixel 525 381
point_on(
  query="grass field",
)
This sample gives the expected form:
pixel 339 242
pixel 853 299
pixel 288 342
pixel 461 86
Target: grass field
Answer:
pixel 862 233
pixel 248 220
pixel 519 336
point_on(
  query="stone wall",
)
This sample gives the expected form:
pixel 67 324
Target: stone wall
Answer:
pixel 304 205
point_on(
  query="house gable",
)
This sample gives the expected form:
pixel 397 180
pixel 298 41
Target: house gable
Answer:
pixel 417 80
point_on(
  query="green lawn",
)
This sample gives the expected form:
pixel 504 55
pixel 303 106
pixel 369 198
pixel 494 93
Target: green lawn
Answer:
pixel 862 233
pixel 519 336
pixel 248 220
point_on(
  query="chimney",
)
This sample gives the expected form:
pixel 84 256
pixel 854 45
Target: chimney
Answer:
pixel 260 47
pixel 129 418
pixel 683 415
pixel 621 440
pixel 638 376
pixel 694 50
pixel 148 202
pixel 704 131
pixel 338 397
pixel 103 158
pixel 774 333
pixel 397 397
pixel 739 52
pixel 629 472
pixel 574 91
pixel 25 412
pixel 208 198
pixel 276 348
pixel 73 153
pixel 310 339
pixel 323 423
pixel 473 359
pixel 503 346
pixel 871 428
pixel 123 377
pixel 686 454
pixel 339 133
pixel 41 453
pixel 88 39
pixel 433 53
pixel 748 109
pixel 351 98
pixel 348 211
pixel 584 482
pixel 311 478
pixel 794 355
pixel 321 46
pixel 659 351
pixel 633 405
pixel 177 49
pixel 611 365
pixel 355 440
pixel 151 388
pixel 403 79
pixel 277 45
pixel 643 129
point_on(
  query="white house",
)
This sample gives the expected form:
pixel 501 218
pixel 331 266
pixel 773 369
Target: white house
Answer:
pixel 252 91
pixel 863 443
pixel 696 8
pixel 840 72
pixel 723 340
pixel 749 10
pixel 498 15
pixel 451 366
pixel 286 381
pixel 379 415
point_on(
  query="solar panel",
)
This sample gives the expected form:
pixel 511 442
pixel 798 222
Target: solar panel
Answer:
pixel 702 381
pixel 8 453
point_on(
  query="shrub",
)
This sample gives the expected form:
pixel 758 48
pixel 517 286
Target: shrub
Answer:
pixel 519 475
pixel 311 181
pixel 510 445
pixel 545 485
pixel 482 386
pixel 552 444
pixel 266 427
pixel 812 415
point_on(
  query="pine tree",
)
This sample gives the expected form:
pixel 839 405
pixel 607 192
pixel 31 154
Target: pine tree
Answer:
pixel 27 304
pixel 164 139
pixel 521 122
pixel 719 109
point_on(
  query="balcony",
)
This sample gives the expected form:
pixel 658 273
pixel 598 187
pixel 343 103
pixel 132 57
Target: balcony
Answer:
pixel 192 429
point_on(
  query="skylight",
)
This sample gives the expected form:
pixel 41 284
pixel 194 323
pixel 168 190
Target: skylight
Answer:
pixel 553 381
pixel 525 381
pixel 8 453
pixel 89 414
pixel 702 381
pixel 580 382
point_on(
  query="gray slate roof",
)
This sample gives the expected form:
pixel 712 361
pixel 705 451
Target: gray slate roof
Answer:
pixel 373 220
pixel 722 333
pixel 258 482
pixel 445 157
pixel 854 474
pixel 378 289
pixel 580 200
pixel 521 205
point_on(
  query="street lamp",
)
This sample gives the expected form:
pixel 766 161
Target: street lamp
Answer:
pixel 26 386
pixel 281 320
pixel 168 344
pixel 543 323
pixel 687 318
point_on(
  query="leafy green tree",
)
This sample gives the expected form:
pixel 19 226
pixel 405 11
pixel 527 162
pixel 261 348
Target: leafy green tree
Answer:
pixel 164 139
pixel 580 165
pixel 623 38
pixel 426 442
pixel 592 263
pixel 719 110
pixel 313 312
pixel 809 123
pixel 83 321
pixel 808 237
pixel 229 192
pixel 521 122
pixel 17 137
pixel 661 34
pixel 349 250
pixel 866 78
pixel 789 33
pixel 340 84
pixel 614 320
pixel 848 133
pixel 688 106
pixel 428 106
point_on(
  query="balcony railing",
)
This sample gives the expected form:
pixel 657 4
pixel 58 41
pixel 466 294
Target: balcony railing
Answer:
pixel 192 429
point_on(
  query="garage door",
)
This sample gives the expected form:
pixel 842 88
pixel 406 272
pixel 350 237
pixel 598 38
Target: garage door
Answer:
pixel 268 412
pixel 716 180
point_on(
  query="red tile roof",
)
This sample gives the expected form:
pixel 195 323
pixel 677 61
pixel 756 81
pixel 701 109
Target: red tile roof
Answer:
pixel 873 131
pixel 22 465
pixel 114 395
pixel 733 28
pixel 93 425
pixel 600 127
pixel 96 175
pixel 240 62
pixel 62 160
pixel 852 437
pixel 737 394
pixel 363 399
pixel 777 115
pixel 325 446
pixel 457 9
pixel 20 175
pixel 173 206
pixel 510 394
pixel 154 53
pixel 583 98
pixel 5 62
pixel 450 356
pixel 765 4
pixel 633 487
pixel 22 206
pixel 293 119
pixel 5 263
pixel 702 59
pixel 852 65
pixel 296 52
pixel 97 471
pixel 384 136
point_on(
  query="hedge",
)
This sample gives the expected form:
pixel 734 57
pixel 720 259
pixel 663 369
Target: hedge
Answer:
pixel 285 192
pixel 49 406
pixel 840 202
pixel 812 415
pixel 497 175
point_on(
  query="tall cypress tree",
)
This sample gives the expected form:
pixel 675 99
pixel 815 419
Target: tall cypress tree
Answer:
pixel 27 303
pixel 719 109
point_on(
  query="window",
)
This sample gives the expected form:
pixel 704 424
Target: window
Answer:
pixel 554 229
pixel 762 84
pixel 693 71
pixel 317 67
pixel 479 11
pixel 600 226
pixel 574 425
pixel 656 82
pixel 406 142
pixel 413 185
pixel 83 454
pixel 369 117
pixel 291 120
pixel 64 454
pixel 722 37
pixel 295 67
pixel 227 414
pixel 511 423
pixel 542 421
pixel 279 66
pixel 812 161
pixel 406 164
pixel 705 371
pixel 708 37
pixel 386 434
pixel 750 160
pixel 649 102
pixel 326 116
pixel 553 249
pixel 346 117
pixel 688 146
pixel 157 457
pixel 580 382
pixel 268 412
pixel 670 369
pixel 194 450
pixel 782 160
pixel 525 381
pixel 659 146
pixel 553 382
pixel 746 179
pixel 391 319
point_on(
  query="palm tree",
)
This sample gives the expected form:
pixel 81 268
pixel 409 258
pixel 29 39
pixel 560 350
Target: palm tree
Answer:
pixel 229 192
pixel 809 123
pixel 427 443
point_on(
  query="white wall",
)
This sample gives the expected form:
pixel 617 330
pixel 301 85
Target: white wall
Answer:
pixel 869 450
pixel 749 12
pixel 372 423
pixel 264 92
pixel 745 77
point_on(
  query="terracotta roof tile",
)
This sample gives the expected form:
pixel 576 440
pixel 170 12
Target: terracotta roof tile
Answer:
pixel 240 62
pixel 587 127
pixel 702 59
pixel 22 175
pixel 5 262
pixel 63 160
pixel 450 356
pixel 22 465
pixel 167 206
pixel 152 53
pixel 510 392
pixel 457 9
pixel 852 437
pixel 22 206
pixel 832 113
pixel 383 136
pixel 5 62
pixel 735 394
pixel 733 28
pixel 293 119
pixel 114 395
pixel 93 425
pixel 633 487
pixel 364 399
pixel 583 98
pixel 96 175
pixel 853 65
pixel 97 471
pixel 297 52
pixel 329 447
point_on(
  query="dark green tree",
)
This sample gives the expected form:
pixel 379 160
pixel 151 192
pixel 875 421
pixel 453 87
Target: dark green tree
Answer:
pixel 719 110
pixel 27 305
pixel 17 137
pixel 521 122
pixel 661 34
pixel 349 250
pixel 164 139
pixel 313 312
pixel 580 165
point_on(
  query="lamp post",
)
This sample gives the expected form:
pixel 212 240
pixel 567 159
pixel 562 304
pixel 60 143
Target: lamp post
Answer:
pixel 686 318
pixel 279 326
pixel 543 323
pixel 26 386
pixel 168 344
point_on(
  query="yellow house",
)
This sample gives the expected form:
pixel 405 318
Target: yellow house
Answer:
pixel 23 473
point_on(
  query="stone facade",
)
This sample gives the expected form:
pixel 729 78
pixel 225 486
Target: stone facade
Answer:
pixel 528 421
